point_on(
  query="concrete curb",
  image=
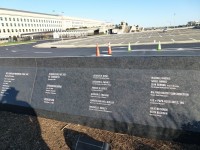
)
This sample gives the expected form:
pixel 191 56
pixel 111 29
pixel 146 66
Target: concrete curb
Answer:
pixel 52 45
pixel 17 44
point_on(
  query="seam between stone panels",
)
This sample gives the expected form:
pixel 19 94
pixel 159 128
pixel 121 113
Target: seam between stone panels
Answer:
pixel 34 80
pixel 77 142
pixel 90 144
pixel 102 146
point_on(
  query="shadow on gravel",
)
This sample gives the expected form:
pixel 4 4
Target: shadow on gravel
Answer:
pixel 19 131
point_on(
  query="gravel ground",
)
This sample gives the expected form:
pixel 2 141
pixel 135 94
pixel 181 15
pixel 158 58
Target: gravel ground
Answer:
pixel 23 132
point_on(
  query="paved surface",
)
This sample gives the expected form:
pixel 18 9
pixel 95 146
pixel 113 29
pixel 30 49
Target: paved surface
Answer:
pixel 191 49
pixel 141 38
pixel 181 42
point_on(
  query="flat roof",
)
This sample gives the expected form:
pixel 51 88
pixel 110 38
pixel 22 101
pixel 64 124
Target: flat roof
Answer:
pixel 27 11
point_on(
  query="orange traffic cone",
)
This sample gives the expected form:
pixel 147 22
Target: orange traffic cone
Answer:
pixel 109 49
pixel 97 50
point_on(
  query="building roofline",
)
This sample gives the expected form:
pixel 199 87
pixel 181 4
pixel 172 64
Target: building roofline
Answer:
pixel 24 11
pixel 55 15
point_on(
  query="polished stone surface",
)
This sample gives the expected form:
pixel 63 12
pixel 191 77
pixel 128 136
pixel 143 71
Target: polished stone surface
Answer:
pixel 146 96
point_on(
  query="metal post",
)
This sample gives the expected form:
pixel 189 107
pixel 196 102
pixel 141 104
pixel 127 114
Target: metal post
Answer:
pixel 174 20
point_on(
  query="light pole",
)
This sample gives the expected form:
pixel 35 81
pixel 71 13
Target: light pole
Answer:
pixel 61 16
pixel 62 24
pixel 174 20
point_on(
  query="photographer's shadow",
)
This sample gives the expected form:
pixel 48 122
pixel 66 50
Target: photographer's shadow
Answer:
pixel 19 131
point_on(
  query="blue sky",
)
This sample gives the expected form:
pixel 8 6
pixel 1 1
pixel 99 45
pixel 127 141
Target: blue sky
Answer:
pixel 145 13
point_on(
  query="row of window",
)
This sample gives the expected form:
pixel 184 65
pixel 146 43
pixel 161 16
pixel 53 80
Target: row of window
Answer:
pixel 74 22
pixel 29 20
pixel 28 25
pixel 26 30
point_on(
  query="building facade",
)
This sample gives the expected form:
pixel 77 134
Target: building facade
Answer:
pixel 193 23
pixel 17 22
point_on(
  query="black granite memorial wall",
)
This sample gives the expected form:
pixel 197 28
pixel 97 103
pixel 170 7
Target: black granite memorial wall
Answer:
pixel 145 96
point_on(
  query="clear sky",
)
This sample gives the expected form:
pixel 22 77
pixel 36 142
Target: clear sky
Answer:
pixel 146 13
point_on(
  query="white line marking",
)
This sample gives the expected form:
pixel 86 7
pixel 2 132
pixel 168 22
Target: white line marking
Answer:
pixel 14 51
pixel 116 51
pixel 140 50
pixel 42 52
pixel 137 42
pixel 103 55
pixel 192 39
pixel 121 47
pixel 180 49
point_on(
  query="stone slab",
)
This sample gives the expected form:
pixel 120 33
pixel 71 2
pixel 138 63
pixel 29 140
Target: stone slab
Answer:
pixel 145 96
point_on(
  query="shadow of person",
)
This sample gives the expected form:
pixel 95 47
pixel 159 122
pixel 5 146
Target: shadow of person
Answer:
pixel 19 131
pixel 80 141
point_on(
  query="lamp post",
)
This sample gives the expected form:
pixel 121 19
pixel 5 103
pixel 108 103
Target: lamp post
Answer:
pixel 61 16
pixel 62 24
pixel 174 20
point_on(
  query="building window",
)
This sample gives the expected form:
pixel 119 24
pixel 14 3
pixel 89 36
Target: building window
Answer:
pixel 12 30
pixel 19 24
pixel 20 30
pixel 22 25
pixel 21 19
pixel 17 19
pixel 7 24
pixel 8 30
pixel 11 24
pixel 16 30
pixel 1 18
pixel 13 19
pixel 5 19
pixel 9 19
pixel 26 30
pixel 23 30
pixel 2 24
pixel 4 30
pixel 15 24
pixel 27 20
pixel 24 20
